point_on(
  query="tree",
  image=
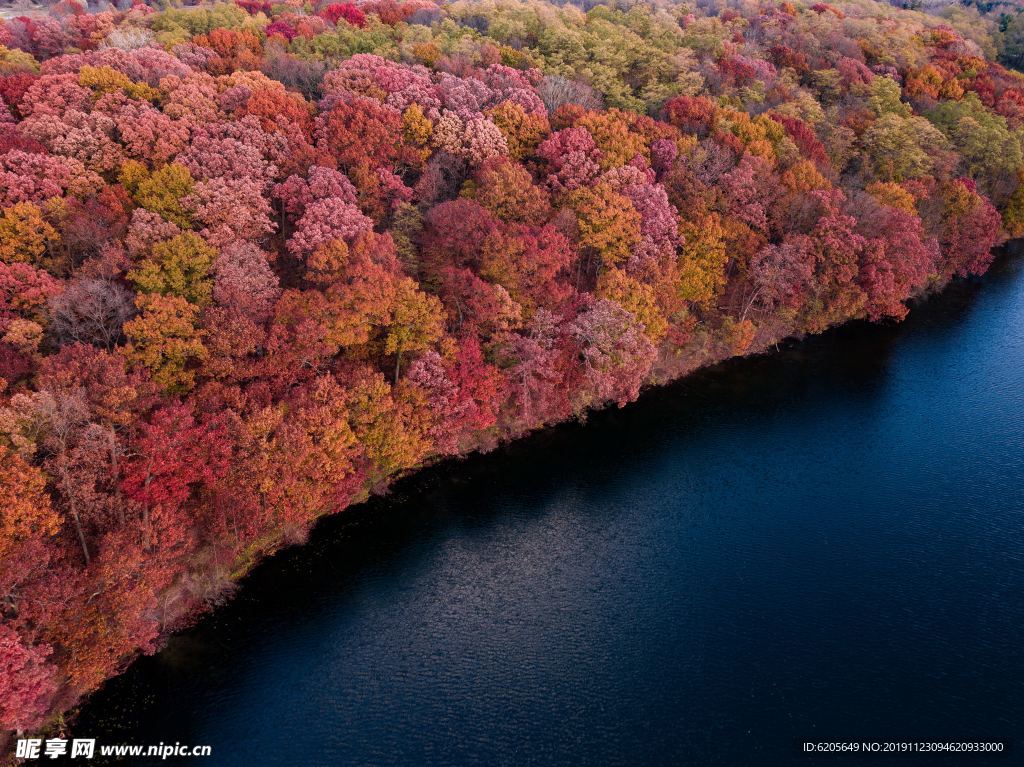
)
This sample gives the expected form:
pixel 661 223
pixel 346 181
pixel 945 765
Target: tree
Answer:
pixel 326 220
pixel 531 263
pixel 573 159
pixel 384 425
pixel 750 189
pixel 173 455
pixel 1013 213
pixel 536 365
pixel 148 135
pixel 25 236
pixel 1011 41
pixel 885 98
pixel 609 226
pixel 362 128
pixel 991 150
pixel 781 275
pixel 899 260
pixel 507 190
pixel 86 226
pixel 165 340
pixel 636 297
pixel 417 322
pixel 296 192
pixel 970 229
pixel 347 12
pixel 179 266
pixel 475 140
pixel 115 395
pixel 31 176
pixel 230 210
pixel 615 141
pixel 91 311
pixel 301 338
pixel 162 191
pixel 900 148
pixel 558 91
pixel 84 463
pixel 460 395
pixel 454 233
pixel 239 150
pixel 244 282
pixel 27 682
pixel 692 114
pixel 838 249
pixel 26 291
pixel 476 307
pixel 523 131
pixel 616 354
pixel 146 230
pixel 26 512
pixel 314 451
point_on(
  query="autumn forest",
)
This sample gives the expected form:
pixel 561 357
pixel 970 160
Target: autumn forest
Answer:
pixel 259 259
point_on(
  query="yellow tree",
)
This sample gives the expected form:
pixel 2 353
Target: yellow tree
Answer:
pixel 179 266
pixel 638 298
pixel 385 424
pixel 166 340
pixel 702 259
pixel 25 236
pixel 161 191
pixel 618 144
pixel 416 322
pixel 522 131
pixel 609 225
pixel 25 509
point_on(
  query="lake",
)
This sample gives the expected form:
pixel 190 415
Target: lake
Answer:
pixel 822 544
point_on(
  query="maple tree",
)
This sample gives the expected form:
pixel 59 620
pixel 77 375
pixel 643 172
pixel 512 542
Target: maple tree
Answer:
pixel 28 681
pixel 166 340
pixel 179 266
pixel 28 514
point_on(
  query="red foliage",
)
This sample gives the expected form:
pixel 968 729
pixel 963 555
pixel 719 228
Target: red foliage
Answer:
pixel 806 140
pixel 254 6
pixel 174 456
pixel 281 29
pixel 362 129
pixel 691 114
pixel 13 89
pixel 347 12
pixel 27 682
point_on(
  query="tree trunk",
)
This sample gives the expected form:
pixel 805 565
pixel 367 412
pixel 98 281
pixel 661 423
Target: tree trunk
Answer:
pixel 66 488
pixel 81 535
pixel 146 533
pixel 115 472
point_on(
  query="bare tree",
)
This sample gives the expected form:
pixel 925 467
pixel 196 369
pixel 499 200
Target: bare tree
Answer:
pixel 91 311
pixel 557 91
pixel 128 38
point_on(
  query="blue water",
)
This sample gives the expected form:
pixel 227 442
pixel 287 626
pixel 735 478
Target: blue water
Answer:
pixel 822 544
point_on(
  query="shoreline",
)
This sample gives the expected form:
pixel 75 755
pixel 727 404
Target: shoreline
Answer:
pixel 64 722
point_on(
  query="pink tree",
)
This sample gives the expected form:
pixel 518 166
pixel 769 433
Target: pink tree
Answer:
pixel 325 220
pixel 244 282
pixel 617 355
pixel 230 209
pixel 27 682
pixel 573 159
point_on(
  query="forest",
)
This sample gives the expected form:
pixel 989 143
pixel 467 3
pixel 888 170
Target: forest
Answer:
pixel 257 260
